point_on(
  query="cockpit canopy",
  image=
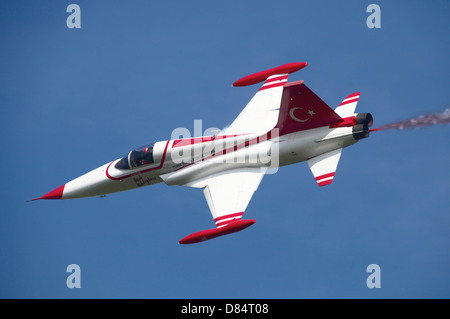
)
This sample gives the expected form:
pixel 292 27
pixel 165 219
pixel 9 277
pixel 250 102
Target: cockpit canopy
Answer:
pixel 136 158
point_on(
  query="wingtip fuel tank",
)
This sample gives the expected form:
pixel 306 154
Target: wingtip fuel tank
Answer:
pixel 208 234
pixel 261 76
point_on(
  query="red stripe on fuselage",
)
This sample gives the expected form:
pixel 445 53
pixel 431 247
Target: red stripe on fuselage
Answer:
pixel 256 140
pixel 196 140
pixel 346 122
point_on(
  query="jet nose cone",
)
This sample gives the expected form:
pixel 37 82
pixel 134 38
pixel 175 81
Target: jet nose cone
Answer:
pixel 54 194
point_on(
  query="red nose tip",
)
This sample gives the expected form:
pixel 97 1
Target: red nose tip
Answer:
pixel 54 194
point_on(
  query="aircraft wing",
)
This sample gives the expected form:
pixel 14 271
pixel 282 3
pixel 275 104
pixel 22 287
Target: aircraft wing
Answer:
pixel 227 194
pixel 260 115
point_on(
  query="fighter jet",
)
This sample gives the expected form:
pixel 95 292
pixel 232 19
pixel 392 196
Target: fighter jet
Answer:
pixel 284 123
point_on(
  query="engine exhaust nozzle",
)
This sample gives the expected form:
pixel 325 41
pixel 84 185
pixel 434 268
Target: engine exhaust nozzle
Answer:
pixel 360 131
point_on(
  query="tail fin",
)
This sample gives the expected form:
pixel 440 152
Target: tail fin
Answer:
pixel 301 110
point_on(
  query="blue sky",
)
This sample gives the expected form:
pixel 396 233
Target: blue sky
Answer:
pixel 74 99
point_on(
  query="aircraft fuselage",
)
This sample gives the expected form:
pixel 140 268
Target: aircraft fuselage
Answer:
pixel 176 162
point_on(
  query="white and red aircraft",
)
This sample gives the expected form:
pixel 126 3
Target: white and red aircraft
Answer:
pixel 284 123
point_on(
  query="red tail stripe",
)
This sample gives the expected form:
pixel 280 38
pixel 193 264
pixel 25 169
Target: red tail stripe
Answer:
pixel 349 101
pixel 352 95
pixel 325 182
pixel 318 178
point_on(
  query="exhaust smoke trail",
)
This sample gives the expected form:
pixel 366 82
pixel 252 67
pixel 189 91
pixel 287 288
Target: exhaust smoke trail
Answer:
pixel 421 121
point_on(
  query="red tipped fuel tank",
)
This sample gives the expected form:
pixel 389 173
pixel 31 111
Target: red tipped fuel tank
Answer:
pixel 261 76
pixel 208 234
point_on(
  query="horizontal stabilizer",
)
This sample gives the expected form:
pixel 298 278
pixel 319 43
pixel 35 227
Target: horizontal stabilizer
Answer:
pixel 324 166
pixel 348 105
